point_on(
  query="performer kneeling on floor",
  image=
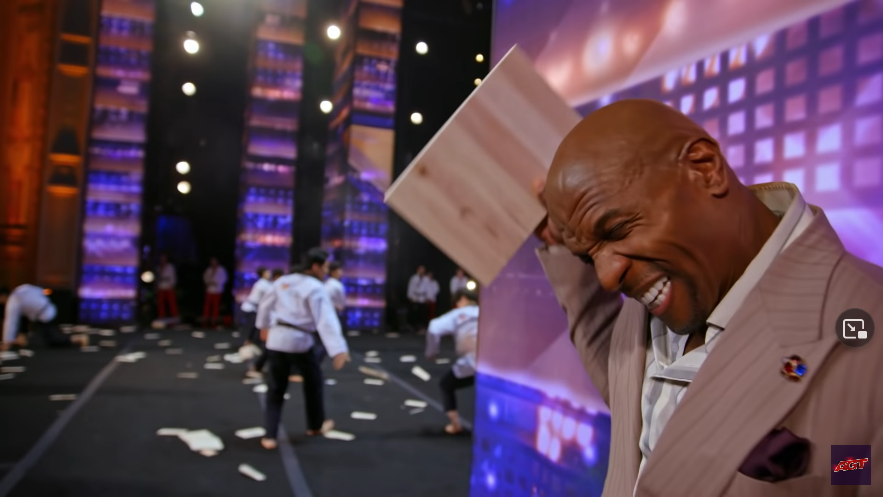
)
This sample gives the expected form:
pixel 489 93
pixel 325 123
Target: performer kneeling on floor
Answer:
pixel 462 323
pixel 294 311
pixel 31 302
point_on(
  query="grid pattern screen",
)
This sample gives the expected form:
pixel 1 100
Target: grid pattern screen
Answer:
pixel 355 219
pixel 115 168
pixel 266 199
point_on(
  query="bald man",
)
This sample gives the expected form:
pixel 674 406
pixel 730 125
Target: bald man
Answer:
pixel 722 367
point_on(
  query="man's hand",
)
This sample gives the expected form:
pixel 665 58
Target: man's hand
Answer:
pixel 4 346
pixel 264 333
pixel 340 360
pixel 546 231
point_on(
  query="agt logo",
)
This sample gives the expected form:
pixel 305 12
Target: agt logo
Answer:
pixel 850 465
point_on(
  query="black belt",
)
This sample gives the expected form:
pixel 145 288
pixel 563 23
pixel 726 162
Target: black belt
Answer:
pixel 295 327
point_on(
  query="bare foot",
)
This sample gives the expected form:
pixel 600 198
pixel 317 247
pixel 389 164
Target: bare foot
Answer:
pixel 327 426
pixel 254 374
pixel 453 429
pixel 268 443
pixel 296 378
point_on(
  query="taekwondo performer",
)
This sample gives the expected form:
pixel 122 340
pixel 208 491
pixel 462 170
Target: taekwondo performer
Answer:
pixel 297 312
pixel 462 323
pixel 31 302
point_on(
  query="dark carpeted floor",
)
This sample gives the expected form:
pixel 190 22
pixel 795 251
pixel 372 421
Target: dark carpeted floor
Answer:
pixel 110 446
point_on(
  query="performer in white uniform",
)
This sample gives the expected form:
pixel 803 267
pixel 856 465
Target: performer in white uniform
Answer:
pixel 458 282
pixel 462 323
pixel 31 302
pixel 215 277
pixel 335 288
pixel 250 310
pixel 167 278
pixel 293 312
pixel 417 295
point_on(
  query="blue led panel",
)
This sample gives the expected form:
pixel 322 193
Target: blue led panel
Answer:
pixel 114 163
pixel 266 198
pixel 359 156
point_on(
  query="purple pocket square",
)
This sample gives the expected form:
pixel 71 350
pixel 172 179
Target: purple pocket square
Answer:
pixel 781 455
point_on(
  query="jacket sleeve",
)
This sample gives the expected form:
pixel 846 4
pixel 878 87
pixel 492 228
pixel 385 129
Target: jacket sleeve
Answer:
pixel 591 311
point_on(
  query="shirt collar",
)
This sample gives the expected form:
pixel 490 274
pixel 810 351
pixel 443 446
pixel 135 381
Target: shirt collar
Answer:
pixel 785 200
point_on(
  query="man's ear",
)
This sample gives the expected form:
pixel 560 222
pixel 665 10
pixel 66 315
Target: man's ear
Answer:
pixel 706 166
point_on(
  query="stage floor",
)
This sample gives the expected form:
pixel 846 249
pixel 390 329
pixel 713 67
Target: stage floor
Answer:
pixel 104 443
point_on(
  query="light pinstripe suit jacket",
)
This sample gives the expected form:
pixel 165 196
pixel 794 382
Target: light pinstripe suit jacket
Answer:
pixel 739 395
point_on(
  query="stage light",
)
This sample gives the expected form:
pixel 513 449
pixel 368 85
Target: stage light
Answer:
pixel 196 9
pixel 333 32
pixel 191 46
pixel 183 167
pixel 470 285
pixel 184 187
pixel 189 89
pixel 325 106
pixel 422 48
pixel 479 58
pixel 147 277
pixel 477 81
pixel 416 118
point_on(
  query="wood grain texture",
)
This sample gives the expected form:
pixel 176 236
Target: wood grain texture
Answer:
pixel 469 191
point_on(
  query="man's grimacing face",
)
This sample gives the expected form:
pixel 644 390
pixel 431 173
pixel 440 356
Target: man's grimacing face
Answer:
pixel 651 236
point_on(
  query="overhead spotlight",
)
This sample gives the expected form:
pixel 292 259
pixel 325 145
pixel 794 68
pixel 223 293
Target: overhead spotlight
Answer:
pixel 477 81
pixel 416 118
pixel 189 89
pixel 325 106
pixel 183 167
pixel 422 48
pixel 470 285
pixel 184 187
pixel 333 32
pixel 147 277
pixel 196 9
pixel 479 58
pixel 191 46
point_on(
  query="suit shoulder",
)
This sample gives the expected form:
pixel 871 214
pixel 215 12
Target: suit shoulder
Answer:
pixel 857 279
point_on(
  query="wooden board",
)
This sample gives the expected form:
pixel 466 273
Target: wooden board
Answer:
pixel 469 191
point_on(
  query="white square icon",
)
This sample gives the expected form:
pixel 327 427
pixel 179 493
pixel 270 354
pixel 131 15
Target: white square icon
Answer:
pixel 854 328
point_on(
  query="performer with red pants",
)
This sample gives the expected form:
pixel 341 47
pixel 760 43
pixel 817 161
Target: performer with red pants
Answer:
pixel 215 277
pixel 165 288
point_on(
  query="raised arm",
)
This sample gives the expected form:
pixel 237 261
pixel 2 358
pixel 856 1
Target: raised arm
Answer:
pixel 327 323
pixel 591 311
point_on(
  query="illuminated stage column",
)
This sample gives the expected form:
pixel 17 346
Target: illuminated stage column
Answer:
pixel 360 152
pixel 111 225
pixel 267 179
pixel 29 31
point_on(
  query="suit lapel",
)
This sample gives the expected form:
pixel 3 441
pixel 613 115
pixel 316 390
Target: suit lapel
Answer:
pixel 628 352
pixel 739 394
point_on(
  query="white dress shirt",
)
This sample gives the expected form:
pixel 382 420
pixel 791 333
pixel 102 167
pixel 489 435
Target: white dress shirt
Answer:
pixel 300 300
pixel 432 289
pixel 458 283
pixel 167 277
pixel 463 324
pixel 337 292
pixel 215 279
pixel 418 288
pixel 30 301
pixel 668 371
pixel 260 287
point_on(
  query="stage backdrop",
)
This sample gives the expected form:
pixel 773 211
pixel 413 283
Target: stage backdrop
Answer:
pixel 791 89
